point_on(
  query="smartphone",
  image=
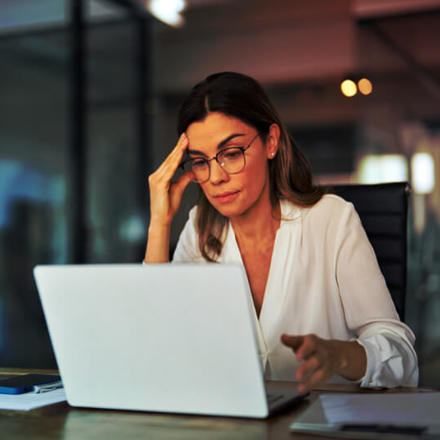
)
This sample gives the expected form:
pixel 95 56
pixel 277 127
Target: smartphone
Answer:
pixel 23 383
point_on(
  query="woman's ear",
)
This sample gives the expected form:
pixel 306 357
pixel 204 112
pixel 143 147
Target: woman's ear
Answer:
pixel 273 140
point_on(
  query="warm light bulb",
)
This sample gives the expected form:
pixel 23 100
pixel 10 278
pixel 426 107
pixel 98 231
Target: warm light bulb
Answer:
pixel 365 86
pixel 348 88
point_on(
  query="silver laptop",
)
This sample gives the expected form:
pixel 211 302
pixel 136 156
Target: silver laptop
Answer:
pixel 164 338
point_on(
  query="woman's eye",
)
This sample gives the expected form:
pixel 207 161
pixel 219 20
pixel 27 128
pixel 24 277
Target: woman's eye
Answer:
pixel 198 163
pixel 232 154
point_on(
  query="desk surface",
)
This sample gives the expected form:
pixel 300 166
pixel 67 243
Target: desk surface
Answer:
pixel 63 422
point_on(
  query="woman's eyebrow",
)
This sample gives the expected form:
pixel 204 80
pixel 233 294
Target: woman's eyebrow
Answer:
pixel 220 145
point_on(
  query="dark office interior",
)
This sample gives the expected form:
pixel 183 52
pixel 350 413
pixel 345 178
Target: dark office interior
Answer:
pixel 89 93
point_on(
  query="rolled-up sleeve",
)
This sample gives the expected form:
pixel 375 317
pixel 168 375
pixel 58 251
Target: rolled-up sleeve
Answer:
pixel 369 309
pixel 391 359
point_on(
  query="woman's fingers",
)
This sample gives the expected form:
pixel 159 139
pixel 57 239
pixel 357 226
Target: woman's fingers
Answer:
pixel 170 164
pixel 183 181
pixel 294 342
pixel 165 196
pixel 313 380
pixel 303 346
pixel 309 367
pixel 313 372
pixel 178 148
pixel 317 357
pixel 161 178
pixel 307 348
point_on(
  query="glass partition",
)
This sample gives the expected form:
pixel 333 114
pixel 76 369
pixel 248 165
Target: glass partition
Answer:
pixel 382 125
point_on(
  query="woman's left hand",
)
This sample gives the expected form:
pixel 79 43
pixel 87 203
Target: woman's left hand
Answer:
pixel 322 358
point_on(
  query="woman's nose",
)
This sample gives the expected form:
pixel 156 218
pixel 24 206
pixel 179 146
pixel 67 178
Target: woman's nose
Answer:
pixel 217 173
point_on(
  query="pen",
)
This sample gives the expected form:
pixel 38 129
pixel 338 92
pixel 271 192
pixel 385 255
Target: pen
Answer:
pixel 384 428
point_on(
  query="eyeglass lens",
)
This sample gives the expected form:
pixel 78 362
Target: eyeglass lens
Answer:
pixel 231 160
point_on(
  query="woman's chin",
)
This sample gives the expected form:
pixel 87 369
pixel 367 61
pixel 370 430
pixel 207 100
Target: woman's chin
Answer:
pixel 228 209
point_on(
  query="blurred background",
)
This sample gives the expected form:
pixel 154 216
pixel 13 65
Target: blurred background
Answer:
pixel 89 93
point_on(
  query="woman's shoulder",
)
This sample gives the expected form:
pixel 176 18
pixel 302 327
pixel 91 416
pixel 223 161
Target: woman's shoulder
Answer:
pixel 328 204
pixel 330 213
pixel 333 211
pixel 332 202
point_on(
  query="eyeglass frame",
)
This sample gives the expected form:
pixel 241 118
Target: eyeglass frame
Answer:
pixel 242 149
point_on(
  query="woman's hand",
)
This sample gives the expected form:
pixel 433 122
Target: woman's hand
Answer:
pixel 165 196
pixel 322 358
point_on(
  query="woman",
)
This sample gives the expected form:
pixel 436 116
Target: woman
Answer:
pixel 322 304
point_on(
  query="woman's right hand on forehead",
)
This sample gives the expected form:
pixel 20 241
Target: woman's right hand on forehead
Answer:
pixel 165 196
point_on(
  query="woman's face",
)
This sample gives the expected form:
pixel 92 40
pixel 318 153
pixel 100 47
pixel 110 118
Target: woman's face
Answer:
pixel 232 194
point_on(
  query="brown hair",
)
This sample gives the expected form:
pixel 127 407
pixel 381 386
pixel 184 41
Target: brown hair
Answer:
pixel 241 97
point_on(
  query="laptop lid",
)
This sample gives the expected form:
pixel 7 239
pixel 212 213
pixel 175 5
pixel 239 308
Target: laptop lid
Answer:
pixel 168 338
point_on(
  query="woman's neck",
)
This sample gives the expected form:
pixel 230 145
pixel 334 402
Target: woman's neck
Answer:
pixel 259 223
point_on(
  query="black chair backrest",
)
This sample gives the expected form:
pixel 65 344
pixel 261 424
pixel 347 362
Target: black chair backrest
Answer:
pixel 383 209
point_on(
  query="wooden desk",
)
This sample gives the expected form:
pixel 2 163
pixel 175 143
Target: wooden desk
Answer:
pixel 63 422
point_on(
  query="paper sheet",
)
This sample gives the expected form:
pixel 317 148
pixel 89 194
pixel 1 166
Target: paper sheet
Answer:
pixel 28 401
pixel 392 408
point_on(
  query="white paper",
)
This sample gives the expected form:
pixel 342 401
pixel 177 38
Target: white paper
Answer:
pixel 28 401
pixel 393 408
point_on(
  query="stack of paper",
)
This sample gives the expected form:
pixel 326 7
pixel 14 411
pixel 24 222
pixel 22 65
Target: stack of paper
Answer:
pixel 32 400
pixel 353 415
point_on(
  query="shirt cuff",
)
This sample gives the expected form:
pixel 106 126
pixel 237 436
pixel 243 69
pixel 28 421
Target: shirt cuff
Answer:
pixel 372 359
pixel 388 365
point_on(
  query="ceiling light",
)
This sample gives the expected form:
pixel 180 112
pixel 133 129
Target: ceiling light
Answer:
pixel 167 11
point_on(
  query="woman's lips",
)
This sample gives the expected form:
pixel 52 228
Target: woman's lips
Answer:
pixel 226 197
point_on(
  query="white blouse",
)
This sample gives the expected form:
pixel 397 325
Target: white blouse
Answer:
pixel 323 279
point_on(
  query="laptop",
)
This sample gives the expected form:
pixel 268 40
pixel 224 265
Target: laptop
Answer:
pixel 174 338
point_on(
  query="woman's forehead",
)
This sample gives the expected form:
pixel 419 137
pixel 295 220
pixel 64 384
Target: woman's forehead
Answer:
pixel 215 128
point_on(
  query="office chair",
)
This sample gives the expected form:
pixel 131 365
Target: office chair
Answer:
pixel 383 212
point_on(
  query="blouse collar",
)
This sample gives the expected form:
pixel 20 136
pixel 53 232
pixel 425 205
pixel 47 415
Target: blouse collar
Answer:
pixel 289 211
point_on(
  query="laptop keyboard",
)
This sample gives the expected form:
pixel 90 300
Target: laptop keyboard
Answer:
pixel 272 398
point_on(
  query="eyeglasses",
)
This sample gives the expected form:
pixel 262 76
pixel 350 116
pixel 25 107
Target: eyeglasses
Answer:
pixel 231 159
